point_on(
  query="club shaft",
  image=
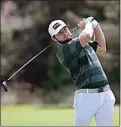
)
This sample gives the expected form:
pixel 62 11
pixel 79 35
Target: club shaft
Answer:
pixel 29 61
pixel 74 29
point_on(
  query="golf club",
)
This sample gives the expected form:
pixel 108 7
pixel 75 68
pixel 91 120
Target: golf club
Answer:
pixel 4 83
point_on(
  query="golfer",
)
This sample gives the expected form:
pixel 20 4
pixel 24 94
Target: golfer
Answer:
pixel 93 96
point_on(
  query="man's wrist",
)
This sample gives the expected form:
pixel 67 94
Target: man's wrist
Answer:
pixel 94 24
pixel 97 27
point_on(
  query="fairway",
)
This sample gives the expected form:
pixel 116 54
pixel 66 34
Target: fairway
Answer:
pixel 33 115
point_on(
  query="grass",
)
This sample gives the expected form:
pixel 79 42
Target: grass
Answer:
pixel 33 115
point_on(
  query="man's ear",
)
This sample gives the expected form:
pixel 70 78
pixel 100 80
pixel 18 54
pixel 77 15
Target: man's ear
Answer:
pixel 53 38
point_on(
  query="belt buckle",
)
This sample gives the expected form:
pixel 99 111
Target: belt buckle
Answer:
pixel 100 89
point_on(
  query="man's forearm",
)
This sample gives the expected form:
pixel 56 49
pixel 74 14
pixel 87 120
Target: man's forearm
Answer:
pixel 86 34
pixel 100 39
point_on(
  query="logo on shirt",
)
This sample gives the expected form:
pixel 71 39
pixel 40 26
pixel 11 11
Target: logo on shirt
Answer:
pixel 56 26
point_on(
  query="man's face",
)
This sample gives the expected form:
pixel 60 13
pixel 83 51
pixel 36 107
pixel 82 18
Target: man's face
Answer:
pixel 63 35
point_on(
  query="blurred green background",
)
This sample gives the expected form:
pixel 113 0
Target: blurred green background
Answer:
pixel 24 32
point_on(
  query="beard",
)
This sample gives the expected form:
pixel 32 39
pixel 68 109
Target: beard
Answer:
pixel 64 42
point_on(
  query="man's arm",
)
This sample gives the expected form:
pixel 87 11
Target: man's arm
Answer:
pixel 98 36
pixel 87 32
pixel 100 39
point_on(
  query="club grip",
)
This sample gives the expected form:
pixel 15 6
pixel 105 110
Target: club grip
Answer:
pixel 5 86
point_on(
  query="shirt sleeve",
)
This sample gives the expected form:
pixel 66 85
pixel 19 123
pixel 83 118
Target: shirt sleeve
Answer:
pixel 94 45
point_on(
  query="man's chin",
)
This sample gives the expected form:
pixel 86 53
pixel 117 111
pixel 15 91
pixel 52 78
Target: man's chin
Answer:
pixel 66 41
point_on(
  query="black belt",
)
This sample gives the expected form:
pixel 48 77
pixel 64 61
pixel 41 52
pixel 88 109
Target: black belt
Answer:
pixel 96 90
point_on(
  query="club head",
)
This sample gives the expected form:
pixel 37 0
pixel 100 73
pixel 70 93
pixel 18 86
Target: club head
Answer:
pixel 5 86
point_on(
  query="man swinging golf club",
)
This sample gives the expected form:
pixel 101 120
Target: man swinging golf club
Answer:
pixel 93 96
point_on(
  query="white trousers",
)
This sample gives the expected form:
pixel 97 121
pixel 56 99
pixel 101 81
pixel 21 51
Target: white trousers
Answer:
pixel 99 105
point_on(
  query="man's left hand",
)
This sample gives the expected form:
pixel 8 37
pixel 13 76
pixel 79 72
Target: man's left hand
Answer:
pixel 93 21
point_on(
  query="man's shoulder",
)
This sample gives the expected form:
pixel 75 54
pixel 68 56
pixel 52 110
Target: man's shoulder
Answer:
pixel 71 43
pixel 74 40
pixel 58 47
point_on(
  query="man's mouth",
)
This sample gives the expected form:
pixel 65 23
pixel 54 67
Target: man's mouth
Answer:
pixel 66 37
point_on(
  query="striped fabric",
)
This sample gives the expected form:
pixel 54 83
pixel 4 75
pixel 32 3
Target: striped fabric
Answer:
pixel 82 63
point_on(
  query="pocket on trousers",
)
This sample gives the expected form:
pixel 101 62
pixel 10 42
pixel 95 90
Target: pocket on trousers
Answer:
pixel 113 97
pixel 77 96
pixel 110 96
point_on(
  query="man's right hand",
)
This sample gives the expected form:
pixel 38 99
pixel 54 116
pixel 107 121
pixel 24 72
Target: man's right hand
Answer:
pixel 82 23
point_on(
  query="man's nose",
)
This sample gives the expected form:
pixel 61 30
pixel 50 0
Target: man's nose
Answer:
pixel 66 33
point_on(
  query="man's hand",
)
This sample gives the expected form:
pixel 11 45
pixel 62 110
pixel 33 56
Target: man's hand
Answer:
pixel 82 23
pixel 87 32
pixel 99 35
pixel 93 21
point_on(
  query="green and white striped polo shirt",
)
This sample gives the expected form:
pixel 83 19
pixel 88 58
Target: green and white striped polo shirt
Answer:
pixel 82 63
